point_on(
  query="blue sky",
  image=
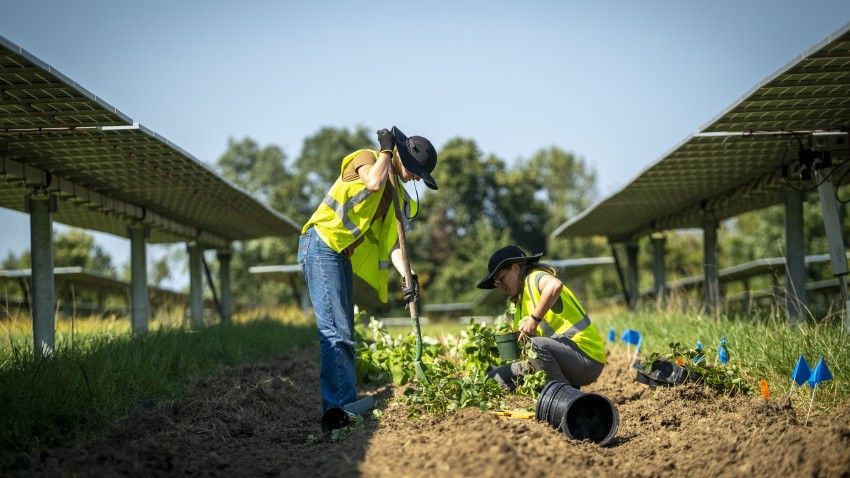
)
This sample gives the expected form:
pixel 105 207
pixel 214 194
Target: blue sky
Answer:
pixel 618 83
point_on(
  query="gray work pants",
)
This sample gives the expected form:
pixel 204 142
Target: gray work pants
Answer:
pixel 559 357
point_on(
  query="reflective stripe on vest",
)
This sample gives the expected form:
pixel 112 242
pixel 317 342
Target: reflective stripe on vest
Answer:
pixel 342 210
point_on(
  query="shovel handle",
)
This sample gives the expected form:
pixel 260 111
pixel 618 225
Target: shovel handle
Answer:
pixel 405 261
pixel 402 242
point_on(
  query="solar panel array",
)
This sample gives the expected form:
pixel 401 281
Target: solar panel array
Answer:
pixel 718 175
pixel 108 171
pixel 82 280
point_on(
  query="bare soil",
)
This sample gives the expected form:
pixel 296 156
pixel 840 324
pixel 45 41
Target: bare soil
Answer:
pixel 254 421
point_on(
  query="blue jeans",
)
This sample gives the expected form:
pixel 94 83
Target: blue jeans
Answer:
pixel 329 280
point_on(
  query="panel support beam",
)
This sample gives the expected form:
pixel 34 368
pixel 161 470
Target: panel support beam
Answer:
pixel 796 302
pixel 196 298
pixel 138 279
pixel 658 272
pixel 618 266
pixel 224 256
pixel 837 253
pixel 632 277
pixel 711 283
pixel 41 207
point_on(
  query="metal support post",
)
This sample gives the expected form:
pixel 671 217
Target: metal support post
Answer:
pixel 41 208
pixel 224 256
pixel 619 268
pixel 837 254
pixel 658 273
pixel 796 300
pixel 138 279
pixel 196 297
pixel 632 259
pixel 711 283
pixel 211 284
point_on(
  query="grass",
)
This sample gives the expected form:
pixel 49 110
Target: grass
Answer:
pixel 99 373
pixel 765 348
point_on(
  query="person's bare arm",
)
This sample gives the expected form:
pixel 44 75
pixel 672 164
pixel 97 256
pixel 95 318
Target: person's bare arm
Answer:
pixel 374 176
pixel 550 289
pixel 395 257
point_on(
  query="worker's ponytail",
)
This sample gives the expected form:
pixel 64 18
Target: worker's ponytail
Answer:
pixel 528 268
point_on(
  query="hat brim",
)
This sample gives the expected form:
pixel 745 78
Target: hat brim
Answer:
pixel 489 281
pixel 410 163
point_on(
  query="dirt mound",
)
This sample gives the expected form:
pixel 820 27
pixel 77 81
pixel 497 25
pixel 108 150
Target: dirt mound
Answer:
pixel 255 420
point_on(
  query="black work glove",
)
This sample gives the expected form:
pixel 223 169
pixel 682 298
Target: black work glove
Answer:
pixel 411 293
pixel 386 139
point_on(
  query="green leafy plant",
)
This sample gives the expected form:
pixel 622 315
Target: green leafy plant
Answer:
pixel 532 383
pixel 449 390
pixel 478 351
pixel 457 376
pixel 381 358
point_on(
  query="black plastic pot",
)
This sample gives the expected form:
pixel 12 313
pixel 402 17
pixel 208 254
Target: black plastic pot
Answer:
pixel 508 346
pixel 662 372
pixel 335 418
pixel 581 416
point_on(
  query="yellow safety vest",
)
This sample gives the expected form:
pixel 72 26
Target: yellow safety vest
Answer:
pixel 572 321
pixel 346 215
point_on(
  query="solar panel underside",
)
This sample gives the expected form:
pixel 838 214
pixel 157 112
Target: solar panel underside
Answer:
pixel 722 176
pixel 119 172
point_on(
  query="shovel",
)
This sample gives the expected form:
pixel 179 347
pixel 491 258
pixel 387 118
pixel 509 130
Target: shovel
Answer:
pixel 414 309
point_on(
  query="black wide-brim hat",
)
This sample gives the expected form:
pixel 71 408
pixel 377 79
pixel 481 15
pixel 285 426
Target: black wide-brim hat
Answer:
pixel 417 155
pixel 502 258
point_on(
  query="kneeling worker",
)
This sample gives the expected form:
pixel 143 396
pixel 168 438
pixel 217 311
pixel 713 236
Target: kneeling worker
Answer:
pixel 569 348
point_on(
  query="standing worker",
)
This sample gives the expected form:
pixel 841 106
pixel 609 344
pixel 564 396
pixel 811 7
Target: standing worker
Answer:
pixel 569 348
pixel 354 231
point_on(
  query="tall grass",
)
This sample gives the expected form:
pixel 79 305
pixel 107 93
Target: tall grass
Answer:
pixel 764 347
pixel 102 373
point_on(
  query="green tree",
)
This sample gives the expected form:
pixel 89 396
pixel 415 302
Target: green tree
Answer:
pixel 73 248
pixel 77 248
pixel 258 170
pixel 261 171
pixel 159 271
pixel 567 185
pixel 319 163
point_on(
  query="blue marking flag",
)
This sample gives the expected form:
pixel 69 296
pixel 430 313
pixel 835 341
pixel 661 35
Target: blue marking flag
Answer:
pixel 631 337
pixel 723 352
pixel 700 354
pixel 802 372
pixel 820 374
pixel 612 336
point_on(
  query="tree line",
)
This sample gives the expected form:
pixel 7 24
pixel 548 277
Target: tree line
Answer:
pixel 484 202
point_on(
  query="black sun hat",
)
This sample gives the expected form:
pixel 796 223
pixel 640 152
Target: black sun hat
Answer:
pixel 417 155
pixel 502 258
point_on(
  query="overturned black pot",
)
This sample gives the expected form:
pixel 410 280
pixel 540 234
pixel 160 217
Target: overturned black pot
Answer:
pixel 664 373
pixel 581 416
